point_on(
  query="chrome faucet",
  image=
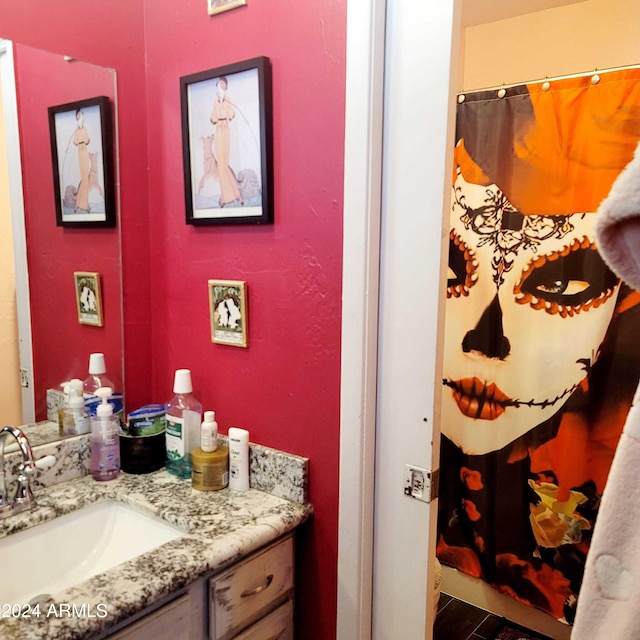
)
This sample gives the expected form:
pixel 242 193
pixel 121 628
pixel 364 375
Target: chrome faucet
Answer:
pixel 22 499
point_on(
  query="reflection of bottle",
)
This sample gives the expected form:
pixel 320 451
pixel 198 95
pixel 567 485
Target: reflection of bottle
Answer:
pixel 75 420
pixel 98 378
pixel 69 389
pixel 105 440
pixel 184 415
pixel 97 375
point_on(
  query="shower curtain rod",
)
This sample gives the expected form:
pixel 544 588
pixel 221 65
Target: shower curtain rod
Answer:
pixel 550 79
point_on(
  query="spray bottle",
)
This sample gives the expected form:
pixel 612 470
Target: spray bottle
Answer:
pixel 105 439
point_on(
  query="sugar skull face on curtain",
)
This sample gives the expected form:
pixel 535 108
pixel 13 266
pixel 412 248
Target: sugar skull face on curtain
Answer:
pixel 529 301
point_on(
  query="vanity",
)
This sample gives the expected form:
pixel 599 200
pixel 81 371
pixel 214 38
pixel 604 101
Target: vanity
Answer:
pixel 221 566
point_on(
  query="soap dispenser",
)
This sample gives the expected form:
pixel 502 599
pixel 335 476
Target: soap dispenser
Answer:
pixel 105 439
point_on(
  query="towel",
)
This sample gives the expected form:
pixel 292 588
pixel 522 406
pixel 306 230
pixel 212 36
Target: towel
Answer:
pixel 610 593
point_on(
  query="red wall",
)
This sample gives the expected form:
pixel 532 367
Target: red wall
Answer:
pixel 61 346
pixel 285 387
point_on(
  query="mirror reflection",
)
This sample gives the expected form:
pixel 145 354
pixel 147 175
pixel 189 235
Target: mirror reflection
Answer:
pixel 41 337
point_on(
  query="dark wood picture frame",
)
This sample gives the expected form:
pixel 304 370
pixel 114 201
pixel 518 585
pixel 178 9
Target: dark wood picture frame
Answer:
pixel 81 137
pixel 227 144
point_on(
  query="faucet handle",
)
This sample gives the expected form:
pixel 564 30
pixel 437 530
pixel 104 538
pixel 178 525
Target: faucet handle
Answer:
pixel 46 462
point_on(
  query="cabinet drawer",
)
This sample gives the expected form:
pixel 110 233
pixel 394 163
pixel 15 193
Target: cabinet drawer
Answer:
pixel 167 623
pixel 247 591
pixel 278 625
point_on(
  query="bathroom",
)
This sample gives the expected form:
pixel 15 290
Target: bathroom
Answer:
pixel 299 343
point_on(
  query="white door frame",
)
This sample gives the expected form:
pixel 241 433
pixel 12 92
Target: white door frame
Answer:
pixel 393 600
pixel 10 107
pixel 361 259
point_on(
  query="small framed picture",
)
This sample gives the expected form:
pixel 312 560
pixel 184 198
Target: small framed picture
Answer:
pixel 82 156
pixel 227 144
pixel 228 311
pixel 88 298
pixel 218 6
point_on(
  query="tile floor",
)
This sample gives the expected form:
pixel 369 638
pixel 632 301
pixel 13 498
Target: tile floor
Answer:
pixel 457 620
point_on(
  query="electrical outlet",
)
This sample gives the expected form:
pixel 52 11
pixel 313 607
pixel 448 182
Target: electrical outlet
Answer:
pixel 418 483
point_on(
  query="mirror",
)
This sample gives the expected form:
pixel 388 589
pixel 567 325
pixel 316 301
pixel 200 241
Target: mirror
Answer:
pixel 53 345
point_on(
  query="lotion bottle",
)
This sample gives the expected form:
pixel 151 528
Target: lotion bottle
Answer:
pixel 209 462
pixel 238 459
pixel 105 439
pixel 184 416
pixel 209 432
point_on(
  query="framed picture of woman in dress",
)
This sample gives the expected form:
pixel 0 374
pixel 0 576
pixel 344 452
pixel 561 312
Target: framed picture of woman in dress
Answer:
pixel 227 144
pixel 82 155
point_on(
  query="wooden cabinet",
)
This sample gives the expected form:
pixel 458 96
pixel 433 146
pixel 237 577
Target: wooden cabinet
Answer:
pixel 278 625
pixel 250 590
pixel 183 616
pixel 251 600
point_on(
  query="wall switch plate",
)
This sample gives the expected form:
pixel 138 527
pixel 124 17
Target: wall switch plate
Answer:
pixel 420 483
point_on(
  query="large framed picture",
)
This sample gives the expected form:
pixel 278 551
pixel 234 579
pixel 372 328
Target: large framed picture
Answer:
pixel 88 298
pixel 227 144
pixel 82 154
pixel 228 312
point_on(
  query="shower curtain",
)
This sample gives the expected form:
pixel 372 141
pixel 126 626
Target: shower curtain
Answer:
pixel 540 357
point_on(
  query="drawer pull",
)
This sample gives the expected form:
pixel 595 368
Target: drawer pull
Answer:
pixel 252 592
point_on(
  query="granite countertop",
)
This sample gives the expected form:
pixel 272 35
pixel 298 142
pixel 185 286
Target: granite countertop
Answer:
pixel 220 528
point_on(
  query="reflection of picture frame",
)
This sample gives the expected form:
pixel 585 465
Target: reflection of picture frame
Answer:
pixel 82 155
pixel 228 312
pixel 218 6
pixel 227 144
pixel 88 298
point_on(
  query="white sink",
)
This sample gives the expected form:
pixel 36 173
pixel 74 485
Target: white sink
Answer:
pixel 58 554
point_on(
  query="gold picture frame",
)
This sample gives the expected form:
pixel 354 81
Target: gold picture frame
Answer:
pixel 228 312
pixel 88 298
pixel 218 6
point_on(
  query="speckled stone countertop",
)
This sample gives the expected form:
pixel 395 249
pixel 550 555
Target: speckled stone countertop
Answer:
pixel 220 528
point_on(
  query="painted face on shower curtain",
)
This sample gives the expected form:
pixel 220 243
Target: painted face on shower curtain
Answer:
pixel 529 301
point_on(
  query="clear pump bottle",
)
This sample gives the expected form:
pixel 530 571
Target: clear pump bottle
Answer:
pixel 105 439
pixel 184 415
